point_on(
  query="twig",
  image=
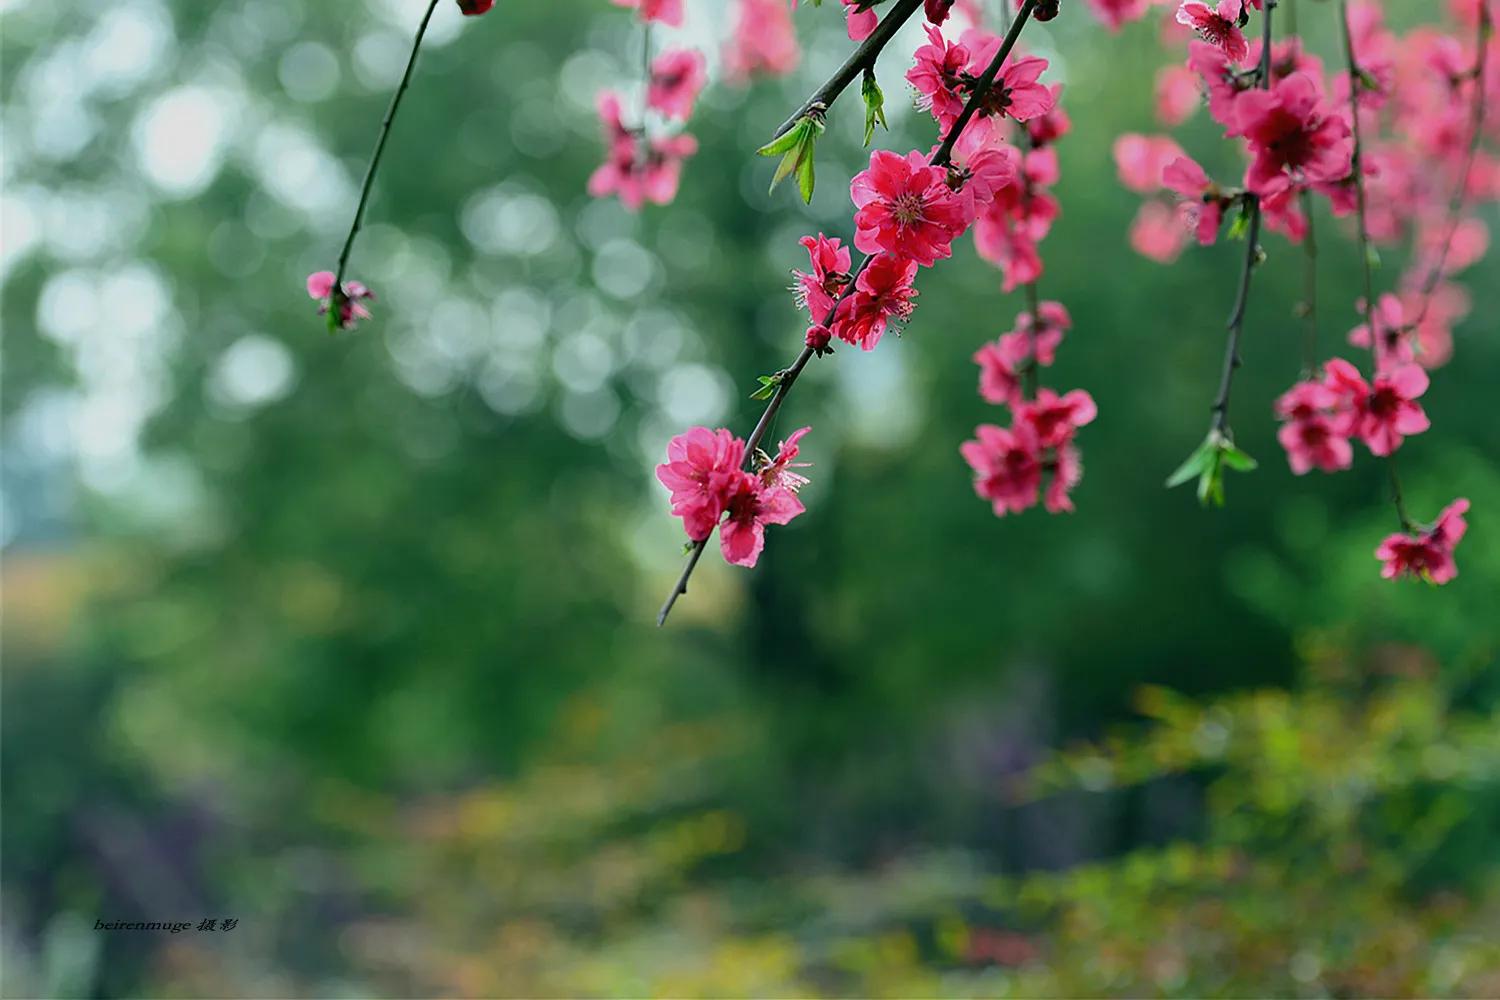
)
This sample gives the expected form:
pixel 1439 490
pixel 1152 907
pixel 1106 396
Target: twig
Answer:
pixel 1460 193
pixel 1362 230
pixel 1309 305
pixel 788 377
pixel 859 60
pixel 1357 171
pixel 385 133
pixel 1236 322
pixel 1033 367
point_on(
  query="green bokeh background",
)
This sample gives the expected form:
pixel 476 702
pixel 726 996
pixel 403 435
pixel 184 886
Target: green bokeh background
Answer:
pixel 352 638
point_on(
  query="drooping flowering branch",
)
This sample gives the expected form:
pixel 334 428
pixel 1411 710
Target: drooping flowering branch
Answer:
pixel 1218 451
pixel 342 300
pixel 908 216
pixel 1484 29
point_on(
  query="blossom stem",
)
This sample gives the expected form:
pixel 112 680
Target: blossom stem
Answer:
pixel 1363 232
pixel 1236 323
pixel 788 376
pixel 1033 369
pixel 1397 496
pixel 1460 193
pixel 645 72
pixel 1356 167
pixel 374 167
pixel 1308 307
pixel 859 60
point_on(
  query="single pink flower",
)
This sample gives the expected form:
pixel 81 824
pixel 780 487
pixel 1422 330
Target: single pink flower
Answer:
pixel 473 8
pixel 883 292
pixel 1217 25
pixel 905 208
pixel 1140 160
pixel 1290 131
pixel 1001 363
pixel 1200 195
pixel 1159 231
pixel 1381 413
pixel 1391 345
pixel 1177 95
pixel 1426 555
pixel 938 77
pixel 677 77
pixel 751 507
pixel 817 290
pixel 703 473
pixel 1054 418
pixel 1016 92
pixel 1007 467
pixel 1391 413
pixel 778 473
pixel 350 300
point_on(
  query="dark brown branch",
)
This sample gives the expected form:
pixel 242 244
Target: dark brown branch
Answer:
pixel 1460 193
pixel 859 60
pixel 1236 323
pixel 385 133
pixel 788 377
pixel 1357 171
pixel 1362 229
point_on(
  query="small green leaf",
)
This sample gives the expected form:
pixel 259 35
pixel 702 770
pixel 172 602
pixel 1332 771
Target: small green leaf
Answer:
pixel 1193 467
pixel 1241 224
pixel 768 385
pixel 796 149
pixel 874 104
pixel 1211 483
pixel 1372 255
pixel 787 141
pixel 805 179
pixel 1207 464
pixel 1238 460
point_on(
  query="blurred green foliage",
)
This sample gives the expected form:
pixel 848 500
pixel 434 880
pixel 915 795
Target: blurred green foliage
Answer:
pixel 353 639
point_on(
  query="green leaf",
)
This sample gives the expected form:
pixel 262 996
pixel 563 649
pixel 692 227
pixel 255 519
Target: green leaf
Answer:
pixel 1241 224
pixel 805 179
pixel 1238 460
pixel 1207 464
pixel 788 140
pixel 796 149
pixel 1193 467
pixel 1211 482
pixel 768 384
pixel 784 169
pixel 874 104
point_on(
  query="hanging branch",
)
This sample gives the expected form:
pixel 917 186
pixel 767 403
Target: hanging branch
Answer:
pixel 787 377
pixel 1461 191
pixel 385 133
pixel 1367 311
pixel 1236 323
